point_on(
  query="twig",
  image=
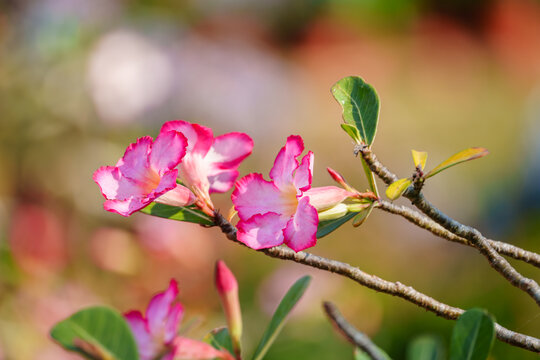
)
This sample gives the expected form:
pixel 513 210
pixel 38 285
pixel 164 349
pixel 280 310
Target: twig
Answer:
pixel 353 335
pixel 500 264
pixel 373 282
pixel 426 223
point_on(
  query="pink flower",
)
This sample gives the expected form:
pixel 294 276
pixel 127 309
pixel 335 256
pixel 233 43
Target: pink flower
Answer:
pixel 210 164
pixel 156 332
pixel 144 174
pixel 284 210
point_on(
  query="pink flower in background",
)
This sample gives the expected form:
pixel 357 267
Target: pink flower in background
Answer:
pixel 144 174
pixel 156 332
pixel 284 210
pixel 210 164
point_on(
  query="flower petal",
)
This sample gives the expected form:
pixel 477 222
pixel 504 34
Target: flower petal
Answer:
pixel 125 207
pixel 145 344
pixel 254 195
pixel 304 174
pixel 227 152
pixel 199 137
pixel 159 308
pixel 223 181
pixel 301 230
pixel 325 197
pixel 167 151
pixel 262 231
pixel 107 178
pixel 286 162
pixel 179 196
pixel 114 186
pixel 186 348
pixel 134 163
pixel 223 159
pixel 166 183
pixel 174 317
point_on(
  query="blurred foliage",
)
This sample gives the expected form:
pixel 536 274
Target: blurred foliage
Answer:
pixel 81 79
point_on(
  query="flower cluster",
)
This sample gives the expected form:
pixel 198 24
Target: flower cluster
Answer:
pixel 185 164
pixel 149 169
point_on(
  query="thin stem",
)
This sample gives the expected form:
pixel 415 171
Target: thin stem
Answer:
pixel 500 264
pixel 424 222
pixel 353 335
pixel 373 282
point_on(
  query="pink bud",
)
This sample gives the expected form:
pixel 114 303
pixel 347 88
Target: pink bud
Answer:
pixel 336 176
pixel 225 280
pixel 227 287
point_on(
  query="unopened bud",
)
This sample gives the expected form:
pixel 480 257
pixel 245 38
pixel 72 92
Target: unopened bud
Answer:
pixel 336 176
pixel 334 212
pixel 227 287
pixel 358 207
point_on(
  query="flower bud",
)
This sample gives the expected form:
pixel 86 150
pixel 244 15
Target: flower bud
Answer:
pixel 227 287
pixel 335 212
pixel 336 176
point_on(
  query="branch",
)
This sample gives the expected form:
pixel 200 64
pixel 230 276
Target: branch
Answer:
pixel 426 223
pixel 373 282
pixel 354 336
pixel 500 264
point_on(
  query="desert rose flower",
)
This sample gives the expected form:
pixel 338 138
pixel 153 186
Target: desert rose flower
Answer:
pixel 284 210
pixel 211 163
pixel 156 332
pixel 147 172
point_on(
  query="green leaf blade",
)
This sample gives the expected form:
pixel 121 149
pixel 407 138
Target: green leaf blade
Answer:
pixel 370 177
pixel 326 227
pixel 99 329
pixel 425 348
pixel 353 132
pixel 278 319
pixel 458 158
pixel 360 104
pixel 220 340
pixel 188 213
pixel 473 336
pixel 397 188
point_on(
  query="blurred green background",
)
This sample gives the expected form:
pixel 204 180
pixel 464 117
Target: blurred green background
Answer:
pixel 80 80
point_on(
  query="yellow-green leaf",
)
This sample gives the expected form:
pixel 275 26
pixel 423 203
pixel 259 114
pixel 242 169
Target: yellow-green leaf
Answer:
pixel 353 132
pixel 397 188
pixel 419 158
pixel 462 156
pixel 370 177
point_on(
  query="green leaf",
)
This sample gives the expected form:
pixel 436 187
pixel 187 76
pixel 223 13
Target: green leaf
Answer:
pixel 353 132
pixel 278 320
pixel 188 213
pixel 425 348
pixel 397 188
pixel 359 354
pixel 419 158
pixel 473 336
pixel 220 339
pixel 97 332
pixel 462 156
pixel 370 177
pixel 362 216
pixel 326 227
pixel 360 105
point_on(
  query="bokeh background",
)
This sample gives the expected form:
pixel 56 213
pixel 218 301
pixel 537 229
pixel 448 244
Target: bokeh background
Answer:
pixel 80 80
